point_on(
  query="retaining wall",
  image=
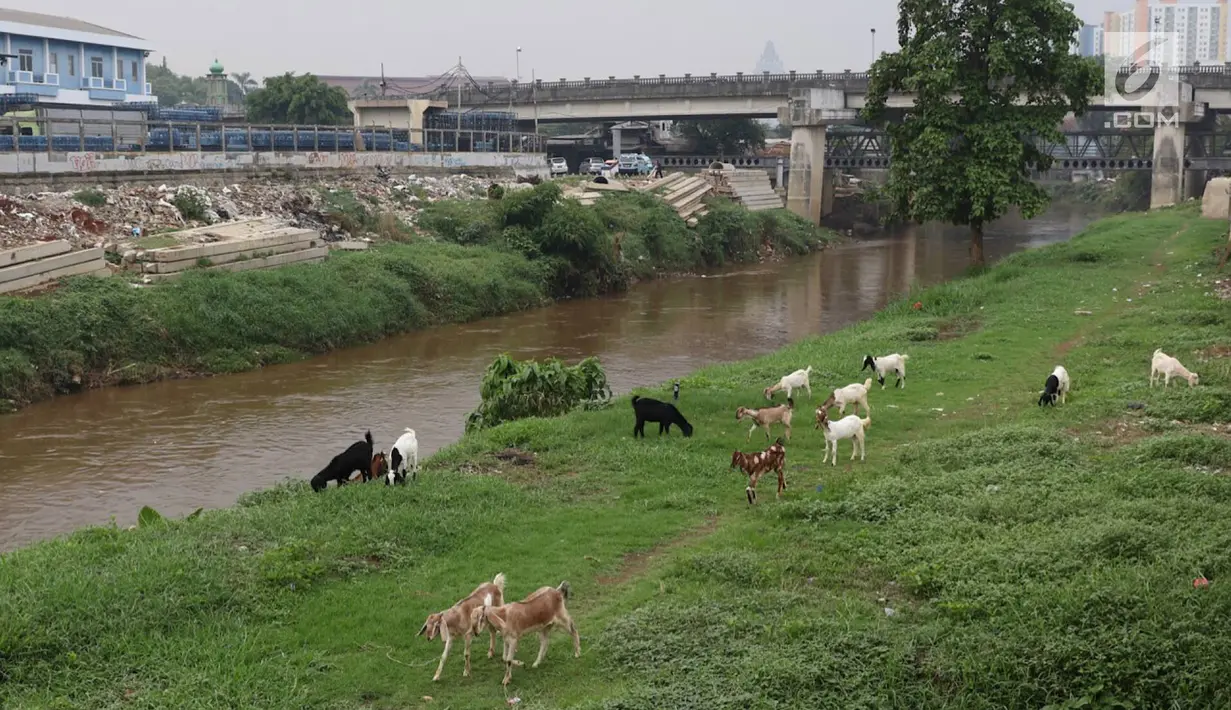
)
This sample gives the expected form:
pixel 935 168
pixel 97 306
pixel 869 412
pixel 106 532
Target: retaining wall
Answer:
pixel 39 264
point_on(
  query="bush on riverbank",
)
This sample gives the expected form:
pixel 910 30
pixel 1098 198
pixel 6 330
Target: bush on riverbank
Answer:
pixel 1129 192
pixel 989 552
pixel 513 390
pixel 95 332
pixel 579 245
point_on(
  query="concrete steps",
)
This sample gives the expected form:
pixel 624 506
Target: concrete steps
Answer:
pixel 751 188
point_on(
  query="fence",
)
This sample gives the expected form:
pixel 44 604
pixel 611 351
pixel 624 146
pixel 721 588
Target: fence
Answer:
pixel 63 135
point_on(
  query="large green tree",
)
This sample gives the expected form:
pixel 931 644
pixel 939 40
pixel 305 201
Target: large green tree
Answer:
pixel 988 77
pixel 724 136
pixel 301 100
pixel 172 88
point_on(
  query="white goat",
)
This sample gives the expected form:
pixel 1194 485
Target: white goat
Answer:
pixel 1167 366
pixel 854 394
pixel 849 427
pixel 795 380
pixel 886 364
pixel 405 454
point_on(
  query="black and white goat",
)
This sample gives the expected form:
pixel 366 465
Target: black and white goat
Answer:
pixel 1056 387
pixel 357 457
pixel 886 364
pixel 405 455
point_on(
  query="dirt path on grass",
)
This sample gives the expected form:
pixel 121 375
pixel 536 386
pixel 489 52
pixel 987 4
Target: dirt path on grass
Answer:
pixel 635 564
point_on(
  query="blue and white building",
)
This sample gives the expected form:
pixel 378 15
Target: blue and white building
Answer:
pixel 64 61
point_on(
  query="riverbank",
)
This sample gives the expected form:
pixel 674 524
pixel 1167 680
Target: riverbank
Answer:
pixel 1013 545
pixel 479 258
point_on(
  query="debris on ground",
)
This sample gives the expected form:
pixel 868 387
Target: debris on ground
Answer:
pixel 118 217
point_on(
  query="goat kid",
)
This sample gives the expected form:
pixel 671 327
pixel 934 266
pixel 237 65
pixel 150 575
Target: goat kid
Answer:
pixel 405 454
pixel 542 611
pixel 357 457
pixel 1056 387
pixel 796 380
pixel 663 413
pixel 770 415
pixel 886 364
pixel 461 619
pixel 1167 366
pixel 378 469
pixel 854 394
pixel 848 427
pixel 760 463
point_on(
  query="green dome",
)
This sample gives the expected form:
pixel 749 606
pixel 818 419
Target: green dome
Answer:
pixel 216 67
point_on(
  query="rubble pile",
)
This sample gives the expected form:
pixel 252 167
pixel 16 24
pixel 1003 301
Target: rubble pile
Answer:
pixel 119 217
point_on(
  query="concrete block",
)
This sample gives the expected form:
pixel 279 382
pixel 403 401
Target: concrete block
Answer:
pixel 42 266
pixel 272 238
pixel 306 255
pixel 1216 202
pixel 33 252
pixel 350 245
pixel 88 267
pixel 170 267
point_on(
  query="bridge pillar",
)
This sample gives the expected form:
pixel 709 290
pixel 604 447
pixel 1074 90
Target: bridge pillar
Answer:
pixel 1170 131
pixel 809 112
pixel 616 143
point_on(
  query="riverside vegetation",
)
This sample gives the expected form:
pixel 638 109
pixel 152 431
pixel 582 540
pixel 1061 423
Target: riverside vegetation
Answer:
pixel 488 258
pixel 1029 557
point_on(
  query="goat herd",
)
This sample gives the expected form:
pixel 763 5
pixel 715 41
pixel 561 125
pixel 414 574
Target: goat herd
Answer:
pixel 544 610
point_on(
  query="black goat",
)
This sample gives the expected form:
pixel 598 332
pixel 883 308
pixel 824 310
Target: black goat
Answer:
pixel 357 457
pixel 665 414
pixel 1051 391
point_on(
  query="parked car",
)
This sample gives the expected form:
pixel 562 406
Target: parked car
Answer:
pixel 559 166
pixel 592 166
pixel 635 164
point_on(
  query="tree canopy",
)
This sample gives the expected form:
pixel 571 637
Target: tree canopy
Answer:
pixel 988 77
pixel 725 136
pixel 302 100
pixel 172 88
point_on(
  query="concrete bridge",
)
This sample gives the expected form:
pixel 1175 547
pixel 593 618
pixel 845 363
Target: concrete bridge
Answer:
pixel 809 103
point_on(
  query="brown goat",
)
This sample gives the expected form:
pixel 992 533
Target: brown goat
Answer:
pixel 460 619
pixel 769 415
pixel 755 465
pixel 542 611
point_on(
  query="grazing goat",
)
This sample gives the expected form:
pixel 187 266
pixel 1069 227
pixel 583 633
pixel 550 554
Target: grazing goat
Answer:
pixel 795 380
pixel 855 394
pixel 770 415
pixel 662 413
pixel 849 427
pixel 542 611
pixel 378 469
pixel 1167 366
pixel 461 618
pixel 405 454
pixel 357 457
pixel 882 366
pixel 1056 387
pixel 762 462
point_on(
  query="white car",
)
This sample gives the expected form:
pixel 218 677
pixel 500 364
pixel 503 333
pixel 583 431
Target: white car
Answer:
pixel 559 166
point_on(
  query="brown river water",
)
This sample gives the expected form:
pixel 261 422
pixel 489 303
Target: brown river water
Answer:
pixel 82 459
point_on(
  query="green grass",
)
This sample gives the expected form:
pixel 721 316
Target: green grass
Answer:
pixel 1031 557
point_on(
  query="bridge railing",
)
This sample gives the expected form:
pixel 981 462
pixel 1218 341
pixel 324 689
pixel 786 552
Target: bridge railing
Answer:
pixel 495 92
pixel 73 135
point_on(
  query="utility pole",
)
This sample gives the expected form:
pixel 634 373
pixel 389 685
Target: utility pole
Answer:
pixel 458 76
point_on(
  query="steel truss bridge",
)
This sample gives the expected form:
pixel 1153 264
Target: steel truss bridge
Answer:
pixel 1086 150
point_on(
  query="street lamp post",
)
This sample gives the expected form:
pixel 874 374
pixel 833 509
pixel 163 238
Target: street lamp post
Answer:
pixel 873 44
pixel 519 63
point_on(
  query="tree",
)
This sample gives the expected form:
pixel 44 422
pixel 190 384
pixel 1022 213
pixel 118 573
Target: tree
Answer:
pixel 244 81
pixel 301 100
pixel 965 153
pixel 172 89
pixel 724 136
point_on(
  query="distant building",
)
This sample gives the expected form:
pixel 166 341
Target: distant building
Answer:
pixel 216 81
pixel 769 61
pixel 67 62
pixel 1197 30
pixel 1090 41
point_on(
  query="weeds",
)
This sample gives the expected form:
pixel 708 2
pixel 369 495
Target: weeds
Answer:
pixel 90 197
pixel 514 390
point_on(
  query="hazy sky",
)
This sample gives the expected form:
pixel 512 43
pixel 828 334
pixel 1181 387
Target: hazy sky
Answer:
pixel 559 38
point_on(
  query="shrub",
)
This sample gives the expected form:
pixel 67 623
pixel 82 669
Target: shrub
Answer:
pixel 514 390
pixel 90 197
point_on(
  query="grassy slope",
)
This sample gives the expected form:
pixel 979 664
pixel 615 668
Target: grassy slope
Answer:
pixel 1030 556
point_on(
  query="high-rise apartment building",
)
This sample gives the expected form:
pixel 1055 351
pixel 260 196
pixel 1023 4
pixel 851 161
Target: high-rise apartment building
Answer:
pixel 1090 41
pixel 1196 30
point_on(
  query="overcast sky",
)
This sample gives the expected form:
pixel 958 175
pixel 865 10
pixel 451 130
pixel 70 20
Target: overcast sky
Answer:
pixel 559 38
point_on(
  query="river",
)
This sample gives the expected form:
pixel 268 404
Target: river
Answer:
pixel 79 460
